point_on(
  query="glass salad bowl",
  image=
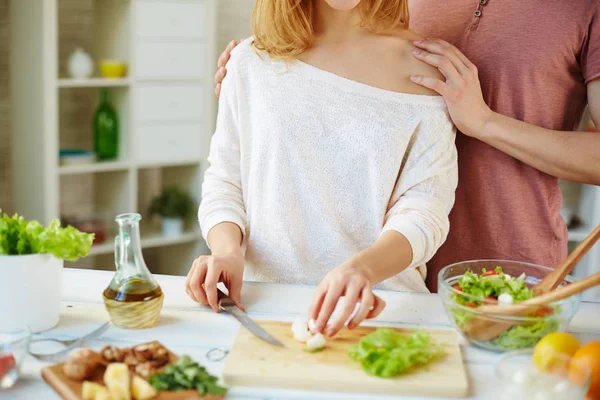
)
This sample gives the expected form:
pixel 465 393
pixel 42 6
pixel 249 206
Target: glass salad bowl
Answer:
pixel 465 286
pixel 521 380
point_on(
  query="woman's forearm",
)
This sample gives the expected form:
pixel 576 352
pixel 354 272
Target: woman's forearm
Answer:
pixel 225 238
pixel 389 256
pixel 572 156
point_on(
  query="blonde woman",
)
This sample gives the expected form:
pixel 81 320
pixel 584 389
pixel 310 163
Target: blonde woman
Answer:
pixel 328 166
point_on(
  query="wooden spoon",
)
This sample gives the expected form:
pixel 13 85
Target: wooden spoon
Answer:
pixel 482 328
pixel 486 327
pixel 556 277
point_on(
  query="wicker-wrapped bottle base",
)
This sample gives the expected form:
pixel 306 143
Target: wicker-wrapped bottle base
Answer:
pixel 135 314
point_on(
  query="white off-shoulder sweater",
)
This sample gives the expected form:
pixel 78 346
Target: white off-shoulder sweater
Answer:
pixel 314 167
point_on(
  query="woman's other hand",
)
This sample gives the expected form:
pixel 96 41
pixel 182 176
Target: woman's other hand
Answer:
pixel 221 69
pixel 349 280
pixel 461 91
pixel 208 271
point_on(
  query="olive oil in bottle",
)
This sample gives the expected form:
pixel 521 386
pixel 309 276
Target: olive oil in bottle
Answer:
pixel 133 290
pixel 133 299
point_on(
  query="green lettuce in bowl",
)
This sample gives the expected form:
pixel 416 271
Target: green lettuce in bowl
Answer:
pixel 32 259
pixel 490 288
pixel 21 237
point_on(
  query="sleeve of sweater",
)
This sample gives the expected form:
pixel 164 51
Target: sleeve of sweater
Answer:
pixel 424 193
pixel 222 197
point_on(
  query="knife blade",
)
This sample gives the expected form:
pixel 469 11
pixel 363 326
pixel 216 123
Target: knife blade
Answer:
pixel 227 305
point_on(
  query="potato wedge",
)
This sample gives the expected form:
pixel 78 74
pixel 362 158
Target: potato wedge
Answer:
pixel 142 390
pixel 105 395
pixel 91 389
pixel 117 380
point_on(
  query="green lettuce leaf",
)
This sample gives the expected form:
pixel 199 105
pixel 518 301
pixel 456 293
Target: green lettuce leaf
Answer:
pixel 21 237
pixel 387 353
pixel 525 336
pixel 66 243
pixel 493 285
pixel 10 231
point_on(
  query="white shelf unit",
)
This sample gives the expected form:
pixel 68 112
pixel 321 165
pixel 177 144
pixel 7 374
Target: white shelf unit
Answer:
pixel 94 167
pixel 93 82
pixel 589 210
pixel 165 107
pixel 149 241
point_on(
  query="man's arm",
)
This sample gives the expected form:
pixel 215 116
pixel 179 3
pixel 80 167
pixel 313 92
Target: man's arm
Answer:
pixel 573 156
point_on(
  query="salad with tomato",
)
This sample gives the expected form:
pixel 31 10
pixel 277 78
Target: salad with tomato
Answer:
pixel 496 287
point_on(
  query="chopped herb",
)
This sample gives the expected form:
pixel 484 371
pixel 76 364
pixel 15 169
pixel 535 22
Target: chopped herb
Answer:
pixel 186 374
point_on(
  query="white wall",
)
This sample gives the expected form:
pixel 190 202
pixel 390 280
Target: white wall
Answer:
pixel 233 21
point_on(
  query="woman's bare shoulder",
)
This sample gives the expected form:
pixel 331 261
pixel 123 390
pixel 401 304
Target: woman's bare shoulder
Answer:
pixel 399 63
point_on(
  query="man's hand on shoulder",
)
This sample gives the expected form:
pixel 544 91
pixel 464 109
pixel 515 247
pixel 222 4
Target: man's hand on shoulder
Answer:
pixel 221 66
pixel 420 68
pixel 460 88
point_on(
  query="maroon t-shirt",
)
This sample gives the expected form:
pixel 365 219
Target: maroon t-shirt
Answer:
pixel 535 58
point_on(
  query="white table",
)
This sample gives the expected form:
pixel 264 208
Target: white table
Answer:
pixel 188 328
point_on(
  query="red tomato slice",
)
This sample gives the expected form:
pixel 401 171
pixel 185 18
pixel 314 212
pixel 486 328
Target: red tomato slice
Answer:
pixel 7 363
pixel 458 288
pixel 471 304
pixel 542 312
pixel 490 273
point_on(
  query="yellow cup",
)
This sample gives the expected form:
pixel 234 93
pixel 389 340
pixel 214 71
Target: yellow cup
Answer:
pixel 113 69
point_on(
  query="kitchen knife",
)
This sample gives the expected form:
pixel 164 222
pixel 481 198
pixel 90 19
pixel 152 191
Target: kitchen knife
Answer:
pixel 227 305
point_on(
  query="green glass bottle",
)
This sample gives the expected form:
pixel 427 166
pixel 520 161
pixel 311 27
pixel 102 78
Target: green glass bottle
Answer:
pixel 106 130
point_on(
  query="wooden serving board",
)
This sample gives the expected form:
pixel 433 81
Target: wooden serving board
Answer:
pixel 70 389
pixel 253 362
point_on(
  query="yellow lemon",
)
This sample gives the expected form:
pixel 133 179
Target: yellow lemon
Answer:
pixel 554 351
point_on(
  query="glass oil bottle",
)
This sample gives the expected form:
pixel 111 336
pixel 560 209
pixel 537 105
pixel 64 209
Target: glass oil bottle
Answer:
pixel 133 299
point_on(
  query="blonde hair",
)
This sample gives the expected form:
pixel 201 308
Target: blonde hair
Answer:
pixel 284 28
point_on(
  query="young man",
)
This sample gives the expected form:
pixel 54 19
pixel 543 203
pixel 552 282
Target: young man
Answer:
pixel 518 77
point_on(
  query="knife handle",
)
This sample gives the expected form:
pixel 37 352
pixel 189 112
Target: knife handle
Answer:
pixel 224 300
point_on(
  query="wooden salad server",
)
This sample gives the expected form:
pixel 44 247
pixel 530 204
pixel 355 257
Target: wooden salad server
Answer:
pixel 556 277
pixel 486 328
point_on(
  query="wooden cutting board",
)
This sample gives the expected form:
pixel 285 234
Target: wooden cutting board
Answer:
pixel 70 389
pixel 253 362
